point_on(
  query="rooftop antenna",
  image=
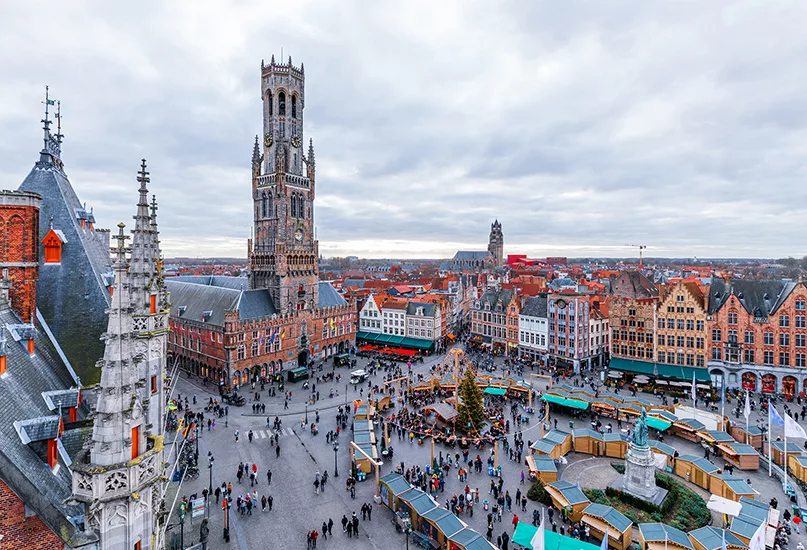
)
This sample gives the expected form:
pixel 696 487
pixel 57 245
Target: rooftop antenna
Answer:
pixel 46 120
pixel 59 135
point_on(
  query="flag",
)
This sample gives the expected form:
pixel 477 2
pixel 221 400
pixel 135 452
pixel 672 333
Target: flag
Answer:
pixel 330 322
pixel 188 429
pixel 758 540
pixel 262 340
pixel 693 386
pixel 792 429
pixel 774 419
pixel 51 102
pixel 747 410
pixel 283 334
pixel 180 424
pixel 537 541
pixel 604 545
pixel 272 337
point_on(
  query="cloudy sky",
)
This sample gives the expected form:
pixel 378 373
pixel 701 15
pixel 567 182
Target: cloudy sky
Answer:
pixel 581 126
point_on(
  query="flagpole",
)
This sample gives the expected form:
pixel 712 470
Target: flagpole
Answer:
pixel 784 461
pixel 723 404
pixel 770 437
pixel 747 414
pixel 694 400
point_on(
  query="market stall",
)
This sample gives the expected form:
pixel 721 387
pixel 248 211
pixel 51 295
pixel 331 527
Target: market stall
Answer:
pixel 711 538
pixel 695 469
pixel 468 539
pixel 743 456
pixel 525 533
pixel 688 429
pixel 390 487
pixel 730 487
pixel 542 468
pixel 798 463
pixel 555 444
pixel 778 450
pixel 754 436
pixel 601 518
pixel 715 437
pixel 589 442
pixel 439 524
pixel 660 536
pixel 569 496
pixel 616 445
pixel 416 503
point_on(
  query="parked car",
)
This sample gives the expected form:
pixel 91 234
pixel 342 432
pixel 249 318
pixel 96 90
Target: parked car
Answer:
pixel 358 376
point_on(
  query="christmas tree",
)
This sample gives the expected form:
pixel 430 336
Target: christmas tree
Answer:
pixel 471 408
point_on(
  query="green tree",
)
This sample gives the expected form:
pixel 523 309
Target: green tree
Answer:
pixel 471 408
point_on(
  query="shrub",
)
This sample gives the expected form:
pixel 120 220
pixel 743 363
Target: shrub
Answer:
pixel 619 467
pixel 537 493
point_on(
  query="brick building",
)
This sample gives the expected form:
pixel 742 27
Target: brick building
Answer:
pixel 19 249
pixel 236 329
pixel 681 325
pixel 757 335
pixel 632 311
pixel 569 341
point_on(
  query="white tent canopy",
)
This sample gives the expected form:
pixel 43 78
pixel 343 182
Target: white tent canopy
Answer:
pixel 724 506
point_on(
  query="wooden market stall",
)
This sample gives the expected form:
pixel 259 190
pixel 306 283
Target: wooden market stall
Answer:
pixel 620 528
pixel 363 464
pixel 662 448
pixel 695 469
pixel 753 513
pixel 364 437
pixel 390 487
pixel 605 406
pixel 715 437
pixel 730 487
pixel 542 468
pixel 798 463
pixel 589 442
pixel 415 503
pixel 711 538
pixel 754 436
pixel 567 495
pixel 616 445
pixel 662 414
pixel 688 429
pixel 743 456
pixel 555 444
pixel 778 450
pixel 364 412
pixel 660 536
pixel 629 411
pixel 439 524
pixel 468 539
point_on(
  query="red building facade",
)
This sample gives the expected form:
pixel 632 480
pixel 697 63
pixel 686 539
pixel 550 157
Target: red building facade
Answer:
pixel 19 249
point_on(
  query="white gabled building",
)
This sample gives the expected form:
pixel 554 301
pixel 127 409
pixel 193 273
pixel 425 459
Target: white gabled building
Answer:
pixel 370 316
pixel 393 317
pixel 533 329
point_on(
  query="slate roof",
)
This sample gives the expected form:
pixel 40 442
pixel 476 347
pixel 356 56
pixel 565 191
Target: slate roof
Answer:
pixel 72 295
pixel 759 297
pixel 428 308
pixel 535 306
pixel 472 255
pixel 658 532
pixel 192 297
pixel 38 429
pixel 562 282
pixel 61 398
pixel 570 492
pixel 493 297
pixel 22 466
pixel 712 538
pixel 700 462
pixel 610 515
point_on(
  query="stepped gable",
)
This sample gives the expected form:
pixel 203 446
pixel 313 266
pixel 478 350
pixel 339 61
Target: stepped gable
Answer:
pixel 72 295
pixel 24 464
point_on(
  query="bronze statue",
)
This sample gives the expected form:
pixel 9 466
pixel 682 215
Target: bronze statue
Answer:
pixel 640 430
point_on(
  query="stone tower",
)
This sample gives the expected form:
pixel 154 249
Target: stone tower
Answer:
pixel 283 257
pixel 118 477
pixel 496 242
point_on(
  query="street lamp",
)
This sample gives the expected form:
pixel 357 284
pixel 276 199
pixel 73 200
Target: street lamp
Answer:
pixel 306 412
pixel 335 463
pixel 210 460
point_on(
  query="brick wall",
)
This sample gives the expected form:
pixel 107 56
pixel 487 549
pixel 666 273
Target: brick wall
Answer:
pixel 21 532
pixel 19 248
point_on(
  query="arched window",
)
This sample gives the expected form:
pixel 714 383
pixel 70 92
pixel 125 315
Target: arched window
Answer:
pixel 294 205
pixel 294 106
pixel 281 104
pixel 269 99
pixel 301 207
pixel 264 206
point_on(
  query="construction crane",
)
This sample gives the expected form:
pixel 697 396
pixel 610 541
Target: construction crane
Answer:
pixel 640 247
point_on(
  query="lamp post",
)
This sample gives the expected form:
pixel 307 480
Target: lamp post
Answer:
pixel 225 504
pixel 210 460
pixel 335 462
pixel 306 412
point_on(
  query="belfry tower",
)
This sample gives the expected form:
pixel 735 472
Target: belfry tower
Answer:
pixel 118 476
pixel 283 257
pixel 496 242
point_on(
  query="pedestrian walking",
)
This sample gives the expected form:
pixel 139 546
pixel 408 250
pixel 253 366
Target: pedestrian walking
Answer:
pixel 269 501
pixel 369 512
pixel 330 526
pixel 344 524
pixel 277 450
pixel 250 435
pixel 268 476
pixel 236 436
pixel 324 531
pixel 263 503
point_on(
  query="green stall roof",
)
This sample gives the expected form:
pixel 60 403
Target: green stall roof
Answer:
pixel 701 463
pixel 609 514
pixel 576 404
pixel 711 538
pixel 630 365
pixel 525 532
pixel 495 391
pixel 658 424
pixel 570 492
pixel 668 450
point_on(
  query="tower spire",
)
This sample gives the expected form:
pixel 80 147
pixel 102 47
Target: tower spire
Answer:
pixel 141 269
pixel 46 121
pixel 59 135
pixel 311 161
pixel 256 152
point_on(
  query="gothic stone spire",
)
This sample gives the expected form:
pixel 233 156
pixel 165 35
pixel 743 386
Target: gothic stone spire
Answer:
pixel 141 270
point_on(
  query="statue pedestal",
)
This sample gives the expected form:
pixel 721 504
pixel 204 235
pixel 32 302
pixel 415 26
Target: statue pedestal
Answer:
pixel 640 476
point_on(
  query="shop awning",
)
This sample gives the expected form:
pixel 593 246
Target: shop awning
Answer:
pixel 495 391
pixel 629 365
pixel 576 404
pixel 658 424
pixel 394 340
pixel 558 400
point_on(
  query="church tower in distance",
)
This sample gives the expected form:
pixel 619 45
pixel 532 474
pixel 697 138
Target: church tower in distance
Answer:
pixel 283 255
pixel 496 242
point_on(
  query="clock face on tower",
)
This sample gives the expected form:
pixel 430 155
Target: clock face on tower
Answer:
pixel 267 139
pixel 298 234
pixel 295 142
